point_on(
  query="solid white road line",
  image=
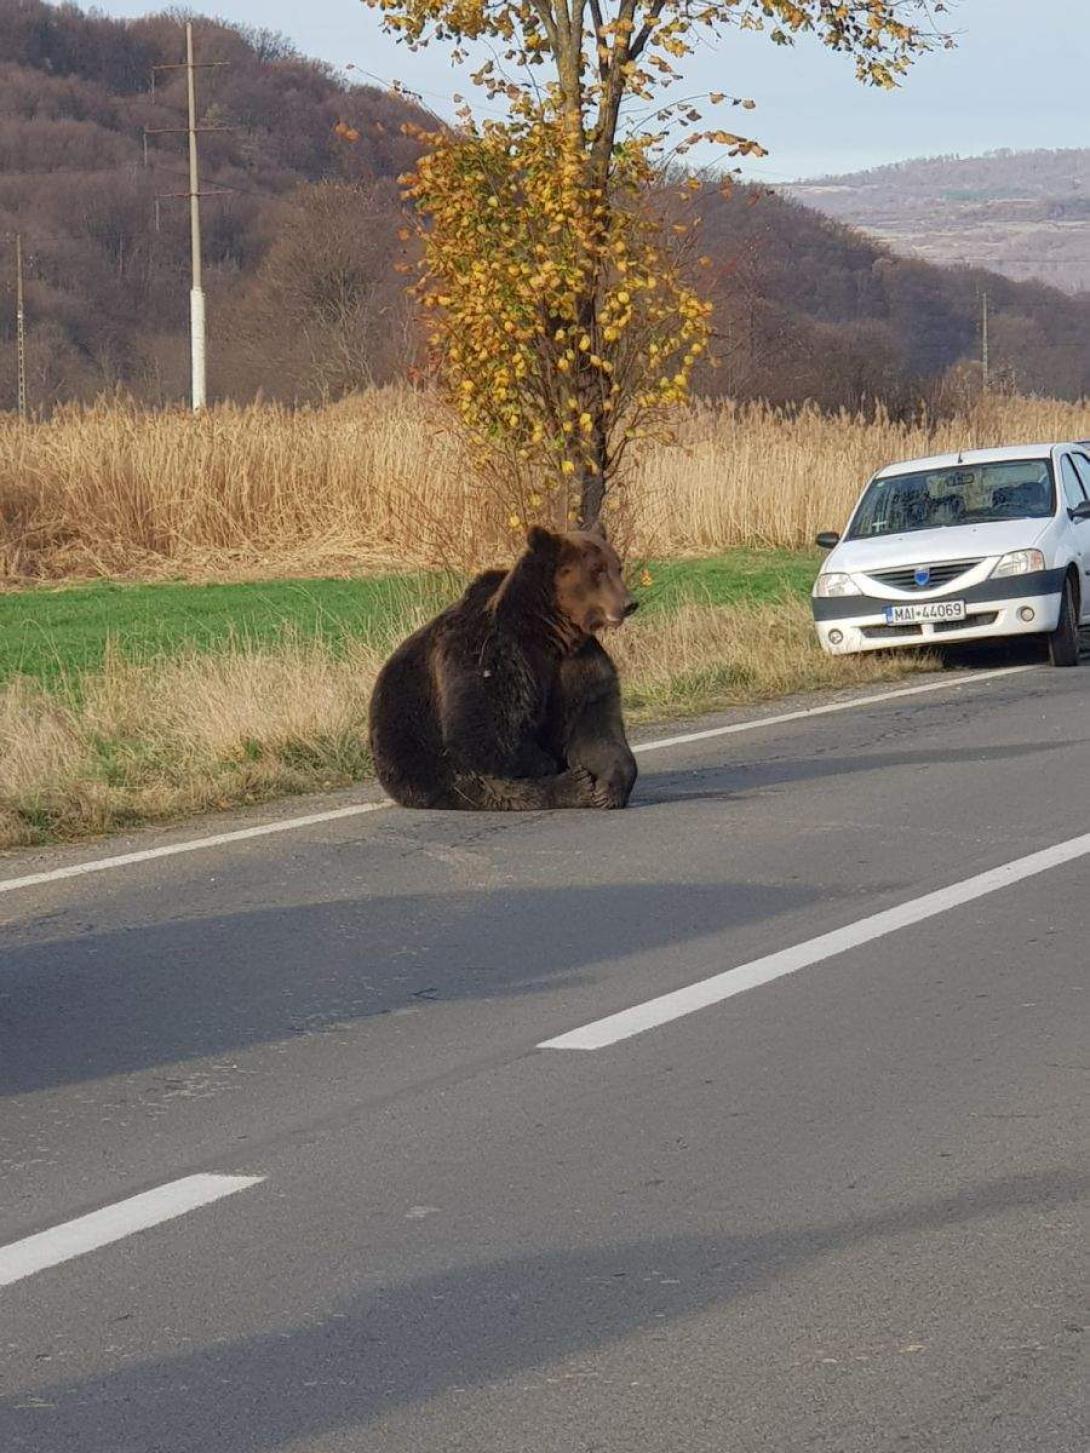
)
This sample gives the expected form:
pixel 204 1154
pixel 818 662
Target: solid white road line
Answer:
pixel 666 1007
pixel 289 824
pixel 99 865
pixel 806 712
pixel 112 1223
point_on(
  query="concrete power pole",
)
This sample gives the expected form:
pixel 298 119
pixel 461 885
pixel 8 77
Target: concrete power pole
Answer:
pixel 985 351
pixel 196 295
pixel 198 350
pixel 20 327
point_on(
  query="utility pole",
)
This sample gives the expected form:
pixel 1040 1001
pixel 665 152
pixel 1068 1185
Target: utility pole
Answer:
pixel 198 351
pixel 985 354
pixel 196 295
pixel 20 327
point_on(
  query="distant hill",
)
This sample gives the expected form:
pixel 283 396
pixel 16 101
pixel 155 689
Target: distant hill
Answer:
pixel 1025 214
pixel 301 242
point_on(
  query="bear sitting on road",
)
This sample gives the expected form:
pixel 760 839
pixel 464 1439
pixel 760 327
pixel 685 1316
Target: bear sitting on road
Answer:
pixel 506 701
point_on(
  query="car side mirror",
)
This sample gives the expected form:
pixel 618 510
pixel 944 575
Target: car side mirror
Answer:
pixel 828 539
pixel 1080 512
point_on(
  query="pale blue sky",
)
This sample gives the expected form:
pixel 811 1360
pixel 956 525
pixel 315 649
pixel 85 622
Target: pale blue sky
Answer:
pixel 1019 79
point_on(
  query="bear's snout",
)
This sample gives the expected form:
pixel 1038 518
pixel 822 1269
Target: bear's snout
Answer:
pixel 617 617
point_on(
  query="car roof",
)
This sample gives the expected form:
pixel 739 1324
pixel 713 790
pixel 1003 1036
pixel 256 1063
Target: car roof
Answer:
pixel 1011 452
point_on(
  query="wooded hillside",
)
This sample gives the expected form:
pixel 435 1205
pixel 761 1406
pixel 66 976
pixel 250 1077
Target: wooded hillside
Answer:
pixel 301 242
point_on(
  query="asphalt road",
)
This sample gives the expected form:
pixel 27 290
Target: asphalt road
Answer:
pixel 846 1209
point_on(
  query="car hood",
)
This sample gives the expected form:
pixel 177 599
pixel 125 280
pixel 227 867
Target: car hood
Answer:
pixel 950 542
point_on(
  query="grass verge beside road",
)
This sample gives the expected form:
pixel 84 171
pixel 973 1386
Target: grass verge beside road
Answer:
pixel 127 705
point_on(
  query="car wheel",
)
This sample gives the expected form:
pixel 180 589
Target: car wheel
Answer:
pixel 1063 642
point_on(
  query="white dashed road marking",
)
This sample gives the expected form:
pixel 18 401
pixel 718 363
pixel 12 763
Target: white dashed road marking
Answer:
pixel 113 1223
pixel 666 1007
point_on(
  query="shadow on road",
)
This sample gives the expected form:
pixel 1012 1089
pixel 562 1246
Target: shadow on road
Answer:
pixel 989 655
pixel 400 1345
pixel 106 1003
pixel 109 1003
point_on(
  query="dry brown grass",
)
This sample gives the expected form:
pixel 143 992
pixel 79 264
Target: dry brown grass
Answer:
pixel 381 479
pixel 190 733
pixel 183 735
pixel 747 475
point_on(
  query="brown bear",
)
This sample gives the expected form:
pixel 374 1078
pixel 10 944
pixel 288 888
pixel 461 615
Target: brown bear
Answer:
pixel 506 701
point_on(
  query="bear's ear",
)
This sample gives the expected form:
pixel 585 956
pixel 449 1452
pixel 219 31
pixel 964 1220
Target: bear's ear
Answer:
pixel 595 528
pixel 540 538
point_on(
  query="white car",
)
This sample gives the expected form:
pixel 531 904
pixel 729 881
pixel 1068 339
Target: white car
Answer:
pixel 961 547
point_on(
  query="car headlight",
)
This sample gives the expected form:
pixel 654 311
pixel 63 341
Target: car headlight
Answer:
pixel 836 583
pixel 1019 562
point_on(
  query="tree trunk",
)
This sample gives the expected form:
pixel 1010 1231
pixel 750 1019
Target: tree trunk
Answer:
pixel 592 493
pixel 593 483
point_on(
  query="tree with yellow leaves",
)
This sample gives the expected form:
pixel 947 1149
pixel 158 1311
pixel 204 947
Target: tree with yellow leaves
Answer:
pixel 564 322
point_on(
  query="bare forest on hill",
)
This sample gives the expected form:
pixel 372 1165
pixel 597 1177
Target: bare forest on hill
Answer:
pixel 302 247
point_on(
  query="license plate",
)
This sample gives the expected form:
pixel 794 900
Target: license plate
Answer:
pixel 931 610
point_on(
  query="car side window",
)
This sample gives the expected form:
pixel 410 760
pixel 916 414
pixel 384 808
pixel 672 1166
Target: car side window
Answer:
pixel 1082 469
pixel 1074 494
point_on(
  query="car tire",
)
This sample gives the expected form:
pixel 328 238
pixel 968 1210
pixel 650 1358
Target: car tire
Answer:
pixel 1063 642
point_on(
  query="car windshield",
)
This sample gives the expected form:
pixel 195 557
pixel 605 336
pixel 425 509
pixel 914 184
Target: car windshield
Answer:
pixel 970 494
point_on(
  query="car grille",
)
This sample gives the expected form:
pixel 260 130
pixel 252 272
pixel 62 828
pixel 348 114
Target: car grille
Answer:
pixel 881 633
pixel 904 578
pixel 982 618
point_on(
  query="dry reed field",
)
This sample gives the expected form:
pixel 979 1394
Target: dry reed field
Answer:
pixel 143 743
pixel 381 480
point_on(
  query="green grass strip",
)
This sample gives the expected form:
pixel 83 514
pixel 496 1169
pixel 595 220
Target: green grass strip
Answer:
pixel 57 635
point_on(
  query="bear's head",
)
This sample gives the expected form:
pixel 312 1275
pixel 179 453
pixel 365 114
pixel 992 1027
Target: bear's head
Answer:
pixel 588 584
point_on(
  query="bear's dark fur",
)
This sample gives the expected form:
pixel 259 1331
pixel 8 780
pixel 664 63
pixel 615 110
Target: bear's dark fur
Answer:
pixel 506 701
